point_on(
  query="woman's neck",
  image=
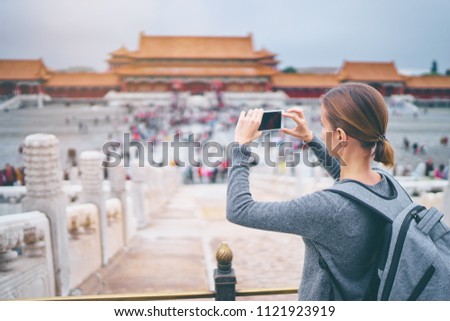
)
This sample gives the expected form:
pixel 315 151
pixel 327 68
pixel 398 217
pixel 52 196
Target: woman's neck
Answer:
pixel 360 169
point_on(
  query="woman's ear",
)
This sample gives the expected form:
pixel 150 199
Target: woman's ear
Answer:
pixel 342 136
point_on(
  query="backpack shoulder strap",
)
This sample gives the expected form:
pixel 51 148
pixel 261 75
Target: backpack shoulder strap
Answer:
pixel 386 207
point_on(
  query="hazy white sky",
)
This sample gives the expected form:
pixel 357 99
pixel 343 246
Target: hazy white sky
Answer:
pixel 303 33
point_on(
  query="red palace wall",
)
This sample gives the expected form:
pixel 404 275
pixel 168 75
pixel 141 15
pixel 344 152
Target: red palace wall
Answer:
pixel 77 92
pixel 428 93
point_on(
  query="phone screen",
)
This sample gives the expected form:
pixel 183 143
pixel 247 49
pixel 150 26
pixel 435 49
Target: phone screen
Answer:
pixel 271 120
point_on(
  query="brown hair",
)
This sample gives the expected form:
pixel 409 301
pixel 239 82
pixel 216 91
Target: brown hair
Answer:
pixel 361 112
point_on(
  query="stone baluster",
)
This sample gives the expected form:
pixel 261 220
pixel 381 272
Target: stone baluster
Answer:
pixel 43 177
pixel 92 184
pixel 138 194
pixel 117 179
pixel 34 241
pixel 88 223
pixel 224 276
pixel 73 227
pixel 10 237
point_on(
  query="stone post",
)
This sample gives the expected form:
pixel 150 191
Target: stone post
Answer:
pixel 92 184
pixel 224 277
pixel 117 179
pixel 43 177
pixel 138 194
pixel 40 94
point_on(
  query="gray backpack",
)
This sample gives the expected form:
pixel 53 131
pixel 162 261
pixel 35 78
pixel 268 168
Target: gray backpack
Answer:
pixel 414 261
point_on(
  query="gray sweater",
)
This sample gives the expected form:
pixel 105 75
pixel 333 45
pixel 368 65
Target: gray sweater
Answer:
pixel 342 231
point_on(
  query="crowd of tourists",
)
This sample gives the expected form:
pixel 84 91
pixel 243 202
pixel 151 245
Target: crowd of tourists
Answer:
pixel 12 176
pixel 426 168
pixel 157 125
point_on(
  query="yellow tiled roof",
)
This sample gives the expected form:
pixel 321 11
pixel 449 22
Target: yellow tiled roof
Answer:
pixel 83 79
pixel 192 47
pixel 23 70
pixel 442 82
pixel 122 51
pixel 369 71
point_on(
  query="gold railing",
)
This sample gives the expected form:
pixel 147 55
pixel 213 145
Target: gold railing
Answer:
pixel 170 296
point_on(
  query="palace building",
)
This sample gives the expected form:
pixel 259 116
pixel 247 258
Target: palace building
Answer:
pixel 428 87
pixel 381 75
pixel 81 84
pixel 22 76
pixel 304 85
pixel 199 65
pixel 194 64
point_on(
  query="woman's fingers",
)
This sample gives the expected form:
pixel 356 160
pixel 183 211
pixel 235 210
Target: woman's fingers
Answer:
pixel 240 119
pixel 258 114
pixel 248 124
pixel 294 117
pixel 254 114
pixel 298 111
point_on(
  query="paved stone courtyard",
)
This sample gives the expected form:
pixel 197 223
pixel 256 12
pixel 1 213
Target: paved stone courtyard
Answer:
pixel 176 253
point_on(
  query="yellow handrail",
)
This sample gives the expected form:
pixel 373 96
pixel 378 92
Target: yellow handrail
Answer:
pixel 135 297
pixel 167 296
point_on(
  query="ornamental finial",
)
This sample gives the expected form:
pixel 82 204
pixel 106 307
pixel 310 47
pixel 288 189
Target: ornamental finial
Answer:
pixel 224 257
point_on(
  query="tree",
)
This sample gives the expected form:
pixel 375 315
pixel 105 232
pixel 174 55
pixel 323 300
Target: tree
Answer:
pixel 434 68
pixel 447 73
pixel 289 70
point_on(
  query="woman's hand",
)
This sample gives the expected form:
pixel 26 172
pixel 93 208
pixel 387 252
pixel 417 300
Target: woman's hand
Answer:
pixel 302 130
pixel 247 126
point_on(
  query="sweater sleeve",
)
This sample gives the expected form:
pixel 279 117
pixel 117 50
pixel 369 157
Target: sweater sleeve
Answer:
pixel 310 216
pixel 330 163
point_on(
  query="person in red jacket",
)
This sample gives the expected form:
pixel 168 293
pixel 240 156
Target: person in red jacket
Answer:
pixel 10 175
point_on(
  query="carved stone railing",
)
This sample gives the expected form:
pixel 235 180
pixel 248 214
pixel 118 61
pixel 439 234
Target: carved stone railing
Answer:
pixel 43 173
pixel 118 189
pixel 11 237
pixel 45 194
pixel 113 210
pixel 11 198
pixel 115 225
pixel 85 252
pixel 26 260
pixel 92 183
pixel 140 194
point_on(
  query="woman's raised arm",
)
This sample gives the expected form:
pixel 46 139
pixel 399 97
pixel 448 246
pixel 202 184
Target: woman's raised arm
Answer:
pixel 302 131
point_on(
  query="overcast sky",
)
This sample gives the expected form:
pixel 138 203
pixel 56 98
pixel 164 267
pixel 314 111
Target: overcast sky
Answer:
pixel 303 33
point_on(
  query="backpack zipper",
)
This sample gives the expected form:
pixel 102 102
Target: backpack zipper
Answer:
pixel 422 284
pixel 413 214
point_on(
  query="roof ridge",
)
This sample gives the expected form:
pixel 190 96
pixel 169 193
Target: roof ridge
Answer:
pixel 370 62
pixel 193 36
pixel 22 60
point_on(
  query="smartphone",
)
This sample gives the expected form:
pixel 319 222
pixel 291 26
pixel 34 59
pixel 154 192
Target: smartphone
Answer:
pixel 272 120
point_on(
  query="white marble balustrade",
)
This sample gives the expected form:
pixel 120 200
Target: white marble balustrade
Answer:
pixel 115 226
pixel 85 253
pixel 30 274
